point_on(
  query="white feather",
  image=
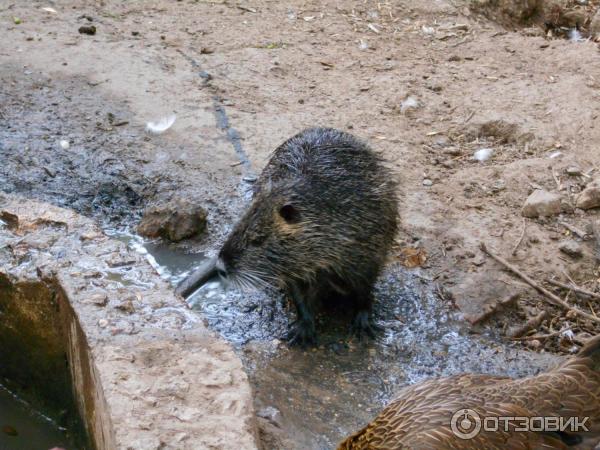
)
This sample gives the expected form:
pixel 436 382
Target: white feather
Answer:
pixel 428 30
pixel 48 9
pixel 575 35
pixel 162 125
pixel 483 154
pixel 408 103
pixel 568 334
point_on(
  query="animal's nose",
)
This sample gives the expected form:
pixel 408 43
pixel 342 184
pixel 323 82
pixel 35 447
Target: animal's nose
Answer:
pixel 221 269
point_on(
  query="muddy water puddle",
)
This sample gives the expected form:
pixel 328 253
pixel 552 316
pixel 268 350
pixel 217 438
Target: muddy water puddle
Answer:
pixel 23 428
pixel 314 397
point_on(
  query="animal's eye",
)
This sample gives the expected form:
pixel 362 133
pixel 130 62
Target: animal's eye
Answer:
pixel 289 213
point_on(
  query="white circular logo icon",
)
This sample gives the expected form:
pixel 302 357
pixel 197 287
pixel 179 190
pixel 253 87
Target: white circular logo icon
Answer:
pixel 465 424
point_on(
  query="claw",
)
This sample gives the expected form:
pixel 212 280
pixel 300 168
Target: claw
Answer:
pixel 363 327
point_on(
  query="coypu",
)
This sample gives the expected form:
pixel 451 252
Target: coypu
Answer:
pixel 321 223
pixel 422 415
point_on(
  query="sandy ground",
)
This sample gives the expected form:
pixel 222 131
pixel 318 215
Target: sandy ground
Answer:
pixel 243 77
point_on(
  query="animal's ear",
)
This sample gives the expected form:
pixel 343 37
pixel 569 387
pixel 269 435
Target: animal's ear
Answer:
pixel 289 213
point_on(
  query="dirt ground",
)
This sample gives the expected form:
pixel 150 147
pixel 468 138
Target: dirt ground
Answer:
pixel 427 83
pixel 242 77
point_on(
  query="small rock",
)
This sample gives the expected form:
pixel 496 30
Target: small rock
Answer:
pixel 590 196
pixel 125 305
pixel 479 260
pixel 534 344
pixel 427 182
pixel 541 203
pixel 573 171
pixel 103 323
pixel 497 186
pixel 272 414
pixel 452 151
pixel 571 248
pixel 441 141
pixel 64 144
pixel 176 220
pixel 98 299
pixel 87 29
pixel 11 431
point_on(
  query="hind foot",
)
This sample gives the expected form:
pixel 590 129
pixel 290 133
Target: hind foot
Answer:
pixel 302 334
pixel 363 327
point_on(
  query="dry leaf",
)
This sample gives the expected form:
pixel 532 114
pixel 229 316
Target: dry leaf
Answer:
pixel 413 257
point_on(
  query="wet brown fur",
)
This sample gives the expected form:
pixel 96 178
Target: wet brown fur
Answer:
pixel 322 221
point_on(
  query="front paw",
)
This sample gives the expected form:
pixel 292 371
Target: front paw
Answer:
pixel 302 334
pixel 363 326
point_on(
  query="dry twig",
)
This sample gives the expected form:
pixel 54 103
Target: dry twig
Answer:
pixel 582 234
pixel 575 288
pixel 514 251
pixel 541 336
pixel 555 300
pixel 531 324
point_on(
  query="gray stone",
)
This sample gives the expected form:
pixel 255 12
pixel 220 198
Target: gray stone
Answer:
pixel 571 248
pixel 541 203
pixel 590 196
pixel 176 220
pixel 272 414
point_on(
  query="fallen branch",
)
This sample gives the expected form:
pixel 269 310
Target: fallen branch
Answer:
pixel 541 336
pixel 580 233
pixel 555 300
pixel 575 288
pixel 531 324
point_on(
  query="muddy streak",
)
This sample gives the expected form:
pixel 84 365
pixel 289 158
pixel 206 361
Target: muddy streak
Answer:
pixel 222 119
pixel 325 393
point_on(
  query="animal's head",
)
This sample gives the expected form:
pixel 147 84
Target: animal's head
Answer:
pixel 271 241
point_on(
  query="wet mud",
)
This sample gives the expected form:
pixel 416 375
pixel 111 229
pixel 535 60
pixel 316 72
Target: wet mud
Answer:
pixel 316 396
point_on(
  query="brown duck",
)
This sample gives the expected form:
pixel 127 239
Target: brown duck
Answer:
pixel 421 416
